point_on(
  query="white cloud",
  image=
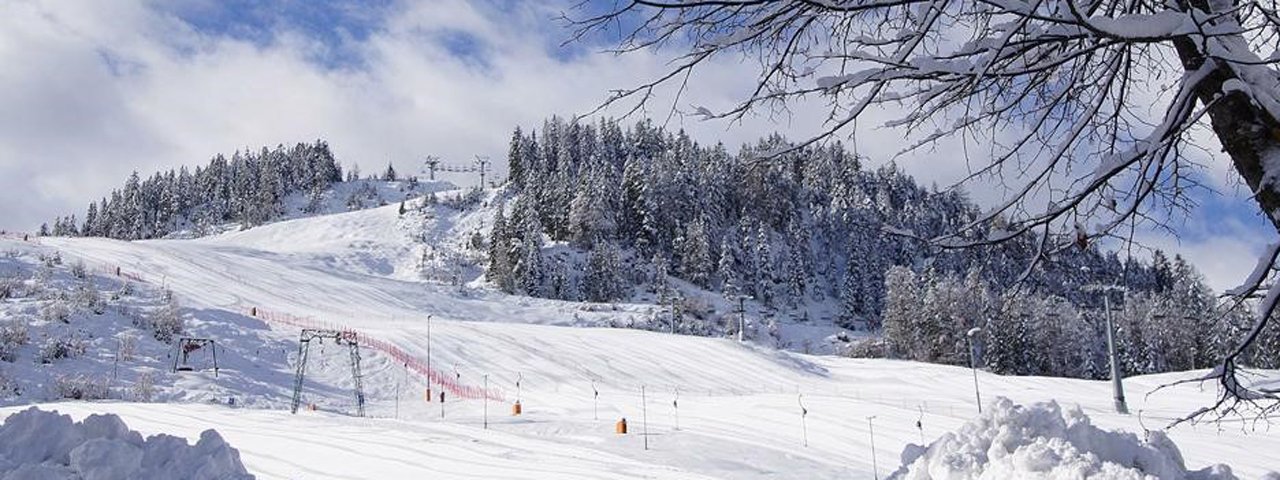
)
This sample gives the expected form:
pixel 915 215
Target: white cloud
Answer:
pixel 1225 256
pixel 104 87
pixel 112 86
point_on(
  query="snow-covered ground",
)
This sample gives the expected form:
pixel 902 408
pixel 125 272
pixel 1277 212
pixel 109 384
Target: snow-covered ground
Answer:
pixel 39 444
pixel 739 406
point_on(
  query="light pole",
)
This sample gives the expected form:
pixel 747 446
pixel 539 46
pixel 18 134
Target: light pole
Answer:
pixel 973 364
pixel 674 313
pixel 1117 386
pixel 742 317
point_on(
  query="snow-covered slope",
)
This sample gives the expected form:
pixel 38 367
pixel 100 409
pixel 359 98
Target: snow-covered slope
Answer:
pixel 739 406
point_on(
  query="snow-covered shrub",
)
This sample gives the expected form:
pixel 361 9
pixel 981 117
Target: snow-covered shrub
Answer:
pixel 79 270
pixel 1043 441
pixel 13 334
pixel 463 201
pixel 10 287
pixel 126 289
pixel 52 260
pixel 144 388
pixel 867 348
pixel 44 273
pixel 81 387
pixel 127 348
pixel 42 444
pixel 85 297
pixel 56 348
pixel 697 305
pixel 7 387
pixel 166 322
pixel 56 310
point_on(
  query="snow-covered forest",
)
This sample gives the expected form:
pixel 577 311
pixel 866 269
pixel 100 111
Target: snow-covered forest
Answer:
pixel 600 212
pixel 249 189
pixel 642 204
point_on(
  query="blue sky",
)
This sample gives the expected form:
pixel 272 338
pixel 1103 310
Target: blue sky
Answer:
pixel 111 86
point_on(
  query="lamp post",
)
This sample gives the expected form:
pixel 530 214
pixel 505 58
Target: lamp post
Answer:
pixel 742 317
pixel 1117 386
pixel 674 313
pixel 973 364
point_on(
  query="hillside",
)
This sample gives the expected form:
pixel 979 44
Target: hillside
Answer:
pixel 738 409
pixel 819 242
pixel 808 251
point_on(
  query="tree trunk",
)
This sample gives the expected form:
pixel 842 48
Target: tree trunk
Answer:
pixel 1247 132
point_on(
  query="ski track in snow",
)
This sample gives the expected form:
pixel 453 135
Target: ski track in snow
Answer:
pixel 738 412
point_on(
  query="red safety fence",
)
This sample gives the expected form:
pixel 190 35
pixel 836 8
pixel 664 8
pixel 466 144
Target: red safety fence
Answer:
pixel 414 364
pixel 117 272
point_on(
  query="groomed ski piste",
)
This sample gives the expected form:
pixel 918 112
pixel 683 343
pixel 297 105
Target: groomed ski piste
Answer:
pixel 695 407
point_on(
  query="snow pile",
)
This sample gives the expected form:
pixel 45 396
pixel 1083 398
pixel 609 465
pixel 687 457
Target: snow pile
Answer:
pixel 1043 441
pixel 36 444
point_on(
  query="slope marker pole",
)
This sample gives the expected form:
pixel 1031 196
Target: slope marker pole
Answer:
pixel 804 412
pixel 875 471
pixel 644 408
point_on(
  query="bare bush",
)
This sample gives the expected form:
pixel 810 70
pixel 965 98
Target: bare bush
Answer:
pixel 58 348
pixel 79 271
pixel 126 289
pixel 81 387
pixel 7 387
pixel 144 389
pixel 166 322
pixel 52 260
pixel 128 348
pixel 86 297
pixel 867 348
pixel 56 311
pixel 13 334
pixel 44 274
pixel 10 287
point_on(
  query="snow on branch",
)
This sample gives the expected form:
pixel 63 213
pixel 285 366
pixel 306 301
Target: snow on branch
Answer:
pixel 1081 110
pixel 1234 396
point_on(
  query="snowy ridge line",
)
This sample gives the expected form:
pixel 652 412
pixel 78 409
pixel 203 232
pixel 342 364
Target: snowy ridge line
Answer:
pixel 410 362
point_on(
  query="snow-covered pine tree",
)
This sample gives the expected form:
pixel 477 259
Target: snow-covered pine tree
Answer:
pixel 727 267
pixel 695 254
pixel 798 266
pixel 1007 346
pixel 529 269
pixel 902 305
pixel 500 271
pixel 766 279
pixel 602 282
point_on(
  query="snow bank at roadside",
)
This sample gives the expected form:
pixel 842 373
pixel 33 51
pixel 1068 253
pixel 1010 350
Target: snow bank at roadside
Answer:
pixel 37 444
pixel 1042 441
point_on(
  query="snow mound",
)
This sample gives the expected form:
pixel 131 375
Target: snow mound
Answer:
pixel 1042 441
pixel 37 444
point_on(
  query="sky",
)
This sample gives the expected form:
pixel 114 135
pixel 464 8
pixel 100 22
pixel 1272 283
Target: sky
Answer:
pixel 92 90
